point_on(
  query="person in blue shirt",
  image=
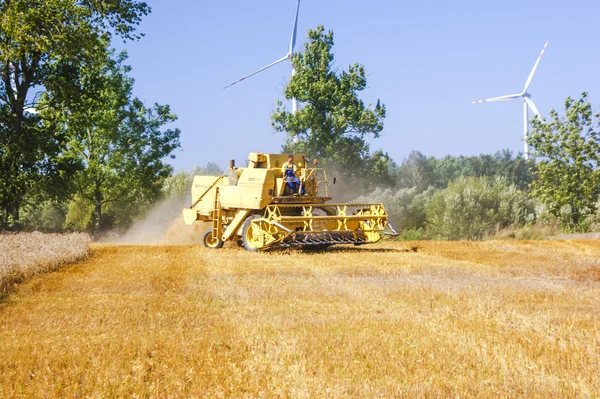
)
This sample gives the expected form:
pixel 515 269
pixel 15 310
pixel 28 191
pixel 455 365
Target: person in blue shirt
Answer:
pixel 288 171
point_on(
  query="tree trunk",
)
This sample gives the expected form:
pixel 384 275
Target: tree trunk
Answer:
pixel 97 215
pixel 12 211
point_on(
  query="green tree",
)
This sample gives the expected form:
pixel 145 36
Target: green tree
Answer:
pixel 46 216
pixel 515 169
pixel 333 123
pixel 120 141
pixel 406 207
pixel 567 151
pixel 415 171
pixel 40 42
pixel 180 183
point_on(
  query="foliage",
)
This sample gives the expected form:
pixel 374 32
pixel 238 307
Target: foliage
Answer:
pixel 412 234
pixel 79 214
pixel 406 207
pixel 32 167
pixel 120 142
pixel 40 42
pixel 333 123
pixel 180 183
pixel 471 208
pixel 568 154
pixel 415 171
pixel 515 169
pixel 47 217
pixel 378 171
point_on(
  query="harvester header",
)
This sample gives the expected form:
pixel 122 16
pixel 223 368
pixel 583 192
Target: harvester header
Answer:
pixel 280 201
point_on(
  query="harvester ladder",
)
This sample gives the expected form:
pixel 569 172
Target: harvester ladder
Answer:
pixel 216 213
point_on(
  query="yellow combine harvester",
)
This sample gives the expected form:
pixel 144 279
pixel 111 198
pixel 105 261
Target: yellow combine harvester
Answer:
pixel 256 205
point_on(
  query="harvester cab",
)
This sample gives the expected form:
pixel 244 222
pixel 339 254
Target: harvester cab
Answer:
pixel 258 207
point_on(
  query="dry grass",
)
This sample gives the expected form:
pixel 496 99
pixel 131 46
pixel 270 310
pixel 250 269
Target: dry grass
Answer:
pixel 426 319
pixel 27 254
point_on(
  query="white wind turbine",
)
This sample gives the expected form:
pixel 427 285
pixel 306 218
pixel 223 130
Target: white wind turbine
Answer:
pixel 288 56
pixel 526 103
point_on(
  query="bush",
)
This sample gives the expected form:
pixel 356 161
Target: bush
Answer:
pixel 47 217
pixel 405 207
pixel 471 208
pixel 412 234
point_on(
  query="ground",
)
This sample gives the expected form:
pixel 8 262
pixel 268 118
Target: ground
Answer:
pixel 496 318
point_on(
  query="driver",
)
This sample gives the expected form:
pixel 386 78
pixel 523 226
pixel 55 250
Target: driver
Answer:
pixel 288 172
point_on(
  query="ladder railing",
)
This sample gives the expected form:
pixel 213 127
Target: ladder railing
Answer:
pixel 216 216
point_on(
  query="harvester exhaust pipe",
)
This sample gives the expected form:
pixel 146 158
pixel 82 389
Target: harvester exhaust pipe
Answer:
pixel 232 176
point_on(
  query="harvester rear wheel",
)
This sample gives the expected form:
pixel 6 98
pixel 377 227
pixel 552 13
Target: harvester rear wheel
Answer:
pixel 210 242
pixel 250 237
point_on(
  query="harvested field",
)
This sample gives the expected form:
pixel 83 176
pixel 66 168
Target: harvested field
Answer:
pixel 422 319
pixel 23 255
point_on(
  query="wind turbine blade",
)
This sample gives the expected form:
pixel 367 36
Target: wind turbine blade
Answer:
pixel 532 106
pixel 260 70
pixel 293 40
pixel 501 98
pixel 528 82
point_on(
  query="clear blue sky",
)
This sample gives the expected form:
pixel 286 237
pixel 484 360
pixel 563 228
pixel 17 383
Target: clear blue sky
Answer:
pixel 425 60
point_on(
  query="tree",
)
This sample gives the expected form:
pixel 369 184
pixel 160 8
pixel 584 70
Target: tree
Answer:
pixel 333 122
pixel 515 169
pixel 379 167
pixel 567 150
pixel 41 41
pixel 180 183
pixel 415 171
pixel 32 167
pixel 405 206
pixel 120 141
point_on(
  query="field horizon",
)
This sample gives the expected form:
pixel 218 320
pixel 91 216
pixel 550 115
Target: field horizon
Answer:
pixel 395 319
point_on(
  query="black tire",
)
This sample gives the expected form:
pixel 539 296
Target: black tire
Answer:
pixel 247 235
pixel 210 242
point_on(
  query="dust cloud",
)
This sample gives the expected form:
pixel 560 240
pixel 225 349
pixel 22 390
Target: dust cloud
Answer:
pixel 164 226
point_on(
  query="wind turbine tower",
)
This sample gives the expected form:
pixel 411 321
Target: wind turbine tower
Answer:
pixel 527 102
pixel 288 56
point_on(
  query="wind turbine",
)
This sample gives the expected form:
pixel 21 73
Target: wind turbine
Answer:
pixel 288 56
pixel 528 102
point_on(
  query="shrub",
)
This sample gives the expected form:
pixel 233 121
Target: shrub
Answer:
pixel 405 206
pixel 471 208
pixel 412 234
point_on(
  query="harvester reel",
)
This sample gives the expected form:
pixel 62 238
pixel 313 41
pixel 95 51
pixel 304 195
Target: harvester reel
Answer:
pixel 210 242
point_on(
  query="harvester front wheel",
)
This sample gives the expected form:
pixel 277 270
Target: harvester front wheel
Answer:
pixel 211 242
pixel 250 237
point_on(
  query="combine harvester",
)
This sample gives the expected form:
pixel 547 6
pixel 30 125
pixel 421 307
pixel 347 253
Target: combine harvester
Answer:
pixel 256 206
